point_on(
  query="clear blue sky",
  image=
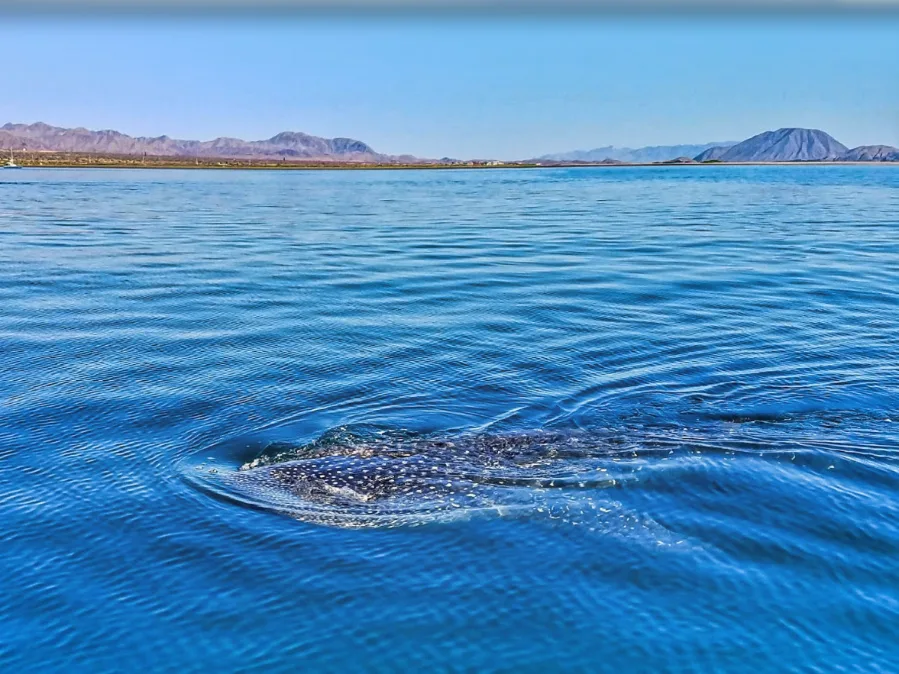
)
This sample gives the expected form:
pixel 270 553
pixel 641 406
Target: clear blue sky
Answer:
pixel 500 87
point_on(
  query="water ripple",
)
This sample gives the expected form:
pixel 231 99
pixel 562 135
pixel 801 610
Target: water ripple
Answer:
pixel 718 344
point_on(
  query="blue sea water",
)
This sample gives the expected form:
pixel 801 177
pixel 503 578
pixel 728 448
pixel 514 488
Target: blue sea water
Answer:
pixel 604 420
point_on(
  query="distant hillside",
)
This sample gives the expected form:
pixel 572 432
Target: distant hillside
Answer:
pixel 641 155
pixel 871 153
pixel 712 154
pixel 786 145
pixel 782 145
pixel 288 144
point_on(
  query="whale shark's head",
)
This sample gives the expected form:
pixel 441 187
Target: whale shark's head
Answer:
pixel 355 479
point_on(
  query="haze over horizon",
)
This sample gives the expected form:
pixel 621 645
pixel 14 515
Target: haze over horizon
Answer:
pixel 507 89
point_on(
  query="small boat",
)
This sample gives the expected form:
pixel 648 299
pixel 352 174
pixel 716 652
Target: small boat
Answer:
pixel 11 163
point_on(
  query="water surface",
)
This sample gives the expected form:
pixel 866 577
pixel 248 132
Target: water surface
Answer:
pixel 626 419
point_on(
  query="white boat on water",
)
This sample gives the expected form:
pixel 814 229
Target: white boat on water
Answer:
pixel 11 164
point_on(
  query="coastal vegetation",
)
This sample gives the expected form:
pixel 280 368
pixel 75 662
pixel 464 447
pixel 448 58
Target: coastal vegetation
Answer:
pixel 91 160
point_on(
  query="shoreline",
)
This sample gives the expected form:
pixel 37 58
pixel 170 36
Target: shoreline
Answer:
pixel 67 160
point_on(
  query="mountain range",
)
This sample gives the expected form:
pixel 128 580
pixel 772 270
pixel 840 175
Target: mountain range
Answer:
pixel 630 155
pixel 287 144
pixel 782 145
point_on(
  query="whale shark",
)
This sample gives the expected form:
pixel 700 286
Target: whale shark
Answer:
pixel 360 478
